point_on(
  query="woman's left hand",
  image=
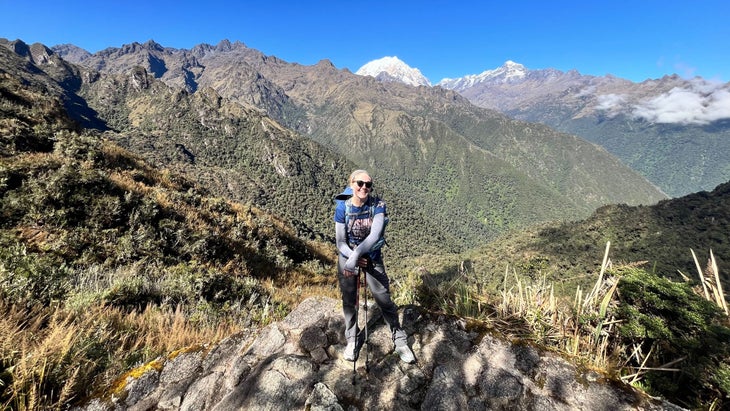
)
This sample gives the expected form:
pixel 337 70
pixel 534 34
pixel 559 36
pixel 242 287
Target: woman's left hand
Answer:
pixel 362 262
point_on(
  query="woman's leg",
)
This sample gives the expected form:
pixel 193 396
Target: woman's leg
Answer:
pixel 379 285
pixel 380 288
pixel 348 288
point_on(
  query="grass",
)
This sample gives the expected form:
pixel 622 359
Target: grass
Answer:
pixel 50 356
pixel 107 263
pixel 54 354
pixel 675 346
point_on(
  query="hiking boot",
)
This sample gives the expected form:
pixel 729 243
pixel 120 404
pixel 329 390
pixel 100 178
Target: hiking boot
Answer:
pixel 400 339
pixel 350 354
pixel 405 353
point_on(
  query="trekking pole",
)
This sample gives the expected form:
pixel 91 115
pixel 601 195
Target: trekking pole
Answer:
pixel 357 315
pixel 367 341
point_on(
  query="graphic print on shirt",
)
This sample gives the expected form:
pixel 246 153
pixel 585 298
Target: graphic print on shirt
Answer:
pixel 359 229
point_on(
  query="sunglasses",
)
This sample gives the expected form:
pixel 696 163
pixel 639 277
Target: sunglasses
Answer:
pixel 367 184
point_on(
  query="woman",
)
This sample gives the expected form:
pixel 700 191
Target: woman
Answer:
pixel 355 235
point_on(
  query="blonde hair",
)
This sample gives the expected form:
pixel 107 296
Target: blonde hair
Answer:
pixel 357 173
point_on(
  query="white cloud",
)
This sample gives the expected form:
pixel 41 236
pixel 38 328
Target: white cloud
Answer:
pixel 700 103
pixel 610 102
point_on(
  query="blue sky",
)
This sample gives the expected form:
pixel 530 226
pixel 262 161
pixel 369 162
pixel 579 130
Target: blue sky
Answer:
pixel 636 39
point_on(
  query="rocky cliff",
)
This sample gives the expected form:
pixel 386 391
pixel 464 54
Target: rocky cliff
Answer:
pixel 297 364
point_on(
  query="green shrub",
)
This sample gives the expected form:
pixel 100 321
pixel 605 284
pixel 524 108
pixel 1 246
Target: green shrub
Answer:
pixel 675 328
pixel 136 291
pixel 32 278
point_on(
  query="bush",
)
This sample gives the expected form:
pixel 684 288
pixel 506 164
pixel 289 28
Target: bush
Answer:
pixel 674 328
pixel 32 278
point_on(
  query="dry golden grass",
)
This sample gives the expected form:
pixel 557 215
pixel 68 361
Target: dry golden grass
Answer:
pixel 711 284
pixel 35 160
pixel 52 353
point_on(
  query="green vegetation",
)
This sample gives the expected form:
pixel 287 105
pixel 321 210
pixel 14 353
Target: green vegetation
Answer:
pixel 698 153
pixel 667 326
pixel 101 257
pixel 662 336
pixel 662 236
pixel 107 262
pixel 193 218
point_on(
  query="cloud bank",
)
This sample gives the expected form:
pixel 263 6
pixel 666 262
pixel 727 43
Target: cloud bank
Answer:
pixel 697 103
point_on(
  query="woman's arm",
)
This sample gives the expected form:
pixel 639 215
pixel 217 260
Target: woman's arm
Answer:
pixel 341 240
pixel 364 247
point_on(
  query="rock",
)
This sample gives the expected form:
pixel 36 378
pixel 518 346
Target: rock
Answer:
pixel 322 399
pixel 297 364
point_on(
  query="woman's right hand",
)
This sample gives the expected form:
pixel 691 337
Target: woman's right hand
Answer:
pixel 362 262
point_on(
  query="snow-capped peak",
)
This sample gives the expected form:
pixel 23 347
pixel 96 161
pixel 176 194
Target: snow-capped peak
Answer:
pixel 393 69
pixel 507 73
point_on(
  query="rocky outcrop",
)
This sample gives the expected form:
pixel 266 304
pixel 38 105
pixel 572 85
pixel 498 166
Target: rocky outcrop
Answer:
pixel 297 364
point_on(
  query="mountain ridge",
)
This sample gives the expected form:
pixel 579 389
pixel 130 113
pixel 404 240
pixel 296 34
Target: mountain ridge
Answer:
pixel 644 124
pixel 403 133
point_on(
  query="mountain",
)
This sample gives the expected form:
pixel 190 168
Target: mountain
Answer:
pixel 393 69
pixel 510 72
pixel 75 189
pixel 71 52
pixel 675 132
pixel 97 245
pixel 112 257
pixel 472 170
pixel 180 129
